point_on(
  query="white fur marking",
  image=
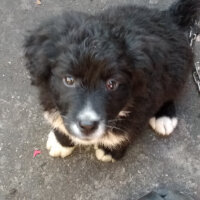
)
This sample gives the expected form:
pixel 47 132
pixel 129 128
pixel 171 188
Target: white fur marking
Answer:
pixel 94 136
pixel 88 113
pixel 75 129
pixel 123 113
pixel 163 125
pixel 102 156
pixel 111 139
pixel 55 148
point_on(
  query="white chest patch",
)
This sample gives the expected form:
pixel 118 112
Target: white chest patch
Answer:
pixel 112 140
pixel 109 140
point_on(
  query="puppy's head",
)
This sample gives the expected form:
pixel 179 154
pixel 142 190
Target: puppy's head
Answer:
pixel 87 75
pixel 90 88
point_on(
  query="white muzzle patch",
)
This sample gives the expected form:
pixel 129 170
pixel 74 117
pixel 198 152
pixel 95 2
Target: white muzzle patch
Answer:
pixel 88 113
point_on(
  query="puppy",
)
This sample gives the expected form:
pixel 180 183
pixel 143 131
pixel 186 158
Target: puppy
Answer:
pixel 102 78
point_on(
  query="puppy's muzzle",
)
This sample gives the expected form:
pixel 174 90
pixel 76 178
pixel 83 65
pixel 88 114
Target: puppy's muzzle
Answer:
pixel 87 127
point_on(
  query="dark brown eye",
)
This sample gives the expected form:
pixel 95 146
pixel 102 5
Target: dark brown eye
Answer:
pixel 112 84
pixel 69 81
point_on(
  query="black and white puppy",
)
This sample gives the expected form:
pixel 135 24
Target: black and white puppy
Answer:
pixel 102 78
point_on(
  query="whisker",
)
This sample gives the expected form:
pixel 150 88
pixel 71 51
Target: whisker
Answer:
pixel 114 127
pixel 114 120
pixel 119 119
pixel 64 117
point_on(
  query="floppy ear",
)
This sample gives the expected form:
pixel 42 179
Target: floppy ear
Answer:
pixel 148 54
pixel 40 54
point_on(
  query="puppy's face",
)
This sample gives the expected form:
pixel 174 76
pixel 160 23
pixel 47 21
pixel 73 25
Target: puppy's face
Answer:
pixel 90 90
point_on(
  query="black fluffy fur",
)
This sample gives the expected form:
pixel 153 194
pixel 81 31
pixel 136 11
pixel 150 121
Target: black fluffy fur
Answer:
pixel 63 139
pixel 146 50
pixel 185 12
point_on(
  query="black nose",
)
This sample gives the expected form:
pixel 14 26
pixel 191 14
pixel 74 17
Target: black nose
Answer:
pixel 87 126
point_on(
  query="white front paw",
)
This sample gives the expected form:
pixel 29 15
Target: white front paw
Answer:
pixel 163 125
pixel 102 156
pixel 55 148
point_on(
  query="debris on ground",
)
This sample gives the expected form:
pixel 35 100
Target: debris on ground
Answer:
pixel 36 152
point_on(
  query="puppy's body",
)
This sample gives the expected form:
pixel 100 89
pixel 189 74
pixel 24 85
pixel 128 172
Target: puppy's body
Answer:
pixel 101 78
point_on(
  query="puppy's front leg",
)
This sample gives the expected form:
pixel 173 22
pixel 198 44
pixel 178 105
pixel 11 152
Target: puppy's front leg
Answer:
pixel 106 154
pixel 59 144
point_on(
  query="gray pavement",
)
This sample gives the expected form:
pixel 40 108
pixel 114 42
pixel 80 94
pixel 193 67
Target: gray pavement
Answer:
pixel 150 163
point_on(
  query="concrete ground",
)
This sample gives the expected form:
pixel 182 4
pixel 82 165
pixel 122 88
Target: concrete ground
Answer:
pixel 152 162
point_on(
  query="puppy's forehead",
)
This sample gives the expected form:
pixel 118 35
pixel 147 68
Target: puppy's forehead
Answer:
pixel 91 70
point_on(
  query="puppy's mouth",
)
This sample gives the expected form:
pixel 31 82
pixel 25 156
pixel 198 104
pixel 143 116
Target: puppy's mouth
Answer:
pixel 88 133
